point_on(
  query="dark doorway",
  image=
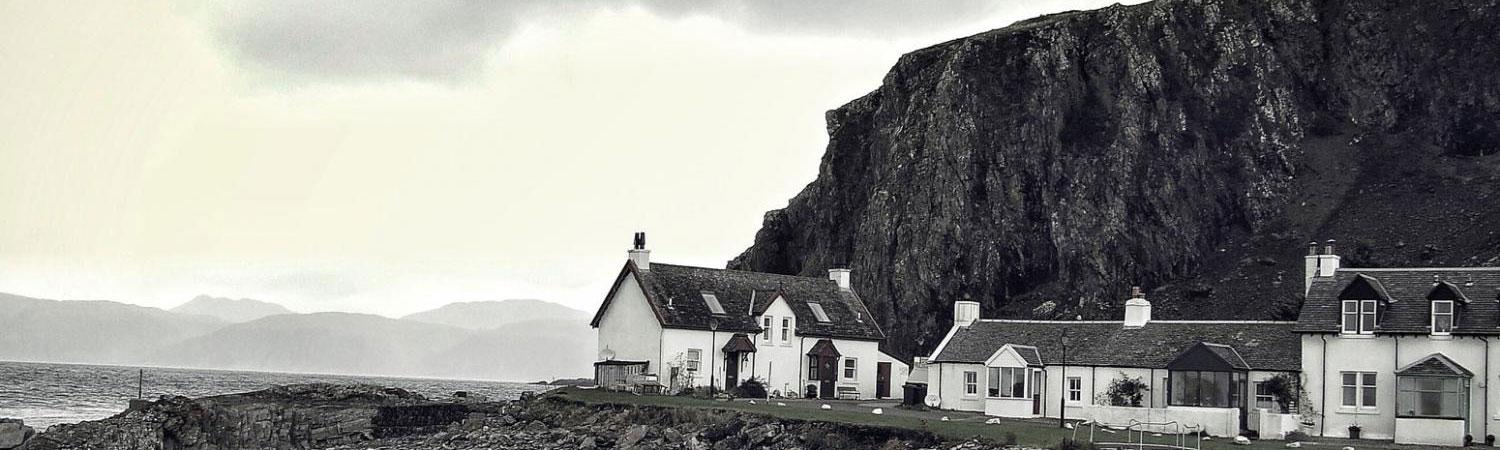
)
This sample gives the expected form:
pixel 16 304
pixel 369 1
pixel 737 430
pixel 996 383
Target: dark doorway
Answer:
pixel 882 380
pixel 731 371
pixel 823 362
pixel 827 376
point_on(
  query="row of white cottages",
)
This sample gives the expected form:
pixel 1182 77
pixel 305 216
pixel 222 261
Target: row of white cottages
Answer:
pixel 1392 354
pixel 1395 354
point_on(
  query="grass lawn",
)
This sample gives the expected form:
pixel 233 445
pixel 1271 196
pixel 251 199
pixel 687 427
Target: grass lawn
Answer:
pixel 961 426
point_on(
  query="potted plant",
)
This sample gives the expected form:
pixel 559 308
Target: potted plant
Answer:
pixel 1354 432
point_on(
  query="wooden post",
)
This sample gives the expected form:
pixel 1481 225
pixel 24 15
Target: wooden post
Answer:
pixel 140 385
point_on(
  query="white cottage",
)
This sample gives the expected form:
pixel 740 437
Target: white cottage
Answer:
pixel 1402 354
pixel 685 326
pixel 1210 374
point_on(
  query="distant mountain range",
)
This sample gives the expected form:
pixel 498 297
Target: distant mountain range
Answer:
pixel 516 340
pixel 230 310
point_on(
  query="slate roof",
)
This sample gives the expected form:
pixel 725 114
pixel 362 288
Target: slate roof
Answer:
pixel 1261 345
pixel 1029 354
pixel 1229 354
pixel 1407 309
pixel 1435 365
pixel 676 295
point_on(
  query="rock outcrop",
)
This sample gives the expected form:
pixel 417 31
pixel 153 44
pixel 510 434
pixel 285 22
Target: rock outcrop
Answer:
pixel 14 433
pixel 290 417
pixel 1192 147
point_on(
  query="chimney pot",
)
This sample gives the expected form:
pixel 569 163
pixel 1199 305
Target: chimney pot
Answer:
pixel 638 253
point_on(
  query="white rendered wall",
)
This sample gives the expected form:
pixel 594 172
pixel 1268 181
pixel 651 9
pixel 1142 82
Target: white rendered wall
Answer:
pixel 778 364
pixel 1384 355
pixel 629 327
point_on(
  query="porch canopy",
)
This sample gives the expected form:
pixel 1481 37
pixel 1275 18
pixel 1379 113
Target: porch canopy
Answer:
pixel 1207 375
pixel 824 349
pixel 740 343
pixel 1432 387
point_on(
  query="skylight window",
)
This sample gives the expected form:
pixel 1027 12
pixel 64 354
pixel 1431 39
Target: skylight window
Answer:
pixel 818 312
pixel 713 303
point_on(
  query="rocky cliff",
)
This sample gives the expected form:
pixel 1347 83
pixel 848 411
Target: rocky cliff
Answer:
pixel 1192 147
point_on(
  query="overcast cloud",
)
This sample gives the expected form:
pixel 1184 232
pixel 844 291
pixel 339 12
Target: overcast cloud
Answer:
pixel 449 40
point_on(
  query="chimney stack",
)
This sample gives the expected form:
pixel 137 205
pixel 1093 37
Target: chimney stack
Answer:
pixel 841 276
pixel 1319 264
pixel 965 313
pixel 638 253
pixel 1137 309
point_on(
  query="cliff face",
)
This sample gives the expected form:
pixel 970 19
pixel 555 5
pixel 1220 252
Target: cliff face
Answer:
pixel 1189 147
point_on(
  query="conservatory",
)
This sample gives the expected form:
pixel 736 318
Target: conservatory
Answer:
pixel 1208 375
pixel 1432 401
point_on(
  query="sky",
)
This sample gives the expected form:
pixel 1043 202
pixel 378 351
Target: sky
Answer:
pixel 392 156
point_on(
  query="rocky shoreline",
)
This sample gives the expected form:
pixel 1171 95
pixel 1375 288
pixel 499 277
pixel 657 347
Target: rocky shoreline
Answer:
pixel 347 417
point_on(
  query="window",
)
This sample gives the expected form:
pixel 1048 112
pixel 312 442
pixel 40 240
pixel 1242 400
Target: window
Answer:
pixel 1209 389
pixel 786 330
pixel 818 313
pixel 812 367
pixel 1007 382
pixel 693 357
pixel 851 366
pixel 765 325
pixel 1263 397
pixel 713 303
pixel 971 383
pixel 1359 316
pixel 1430 397
pixel 1358 389
pixel 1075 389
pixel 1442 317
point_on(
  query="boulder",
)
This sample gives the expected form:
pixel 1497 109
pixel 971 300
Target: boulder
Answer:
pixel 634 435
pixel 13 433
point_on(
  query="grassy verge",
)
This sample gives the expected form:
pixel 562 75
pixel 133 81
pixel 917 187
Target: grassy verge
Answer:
pixel 963 426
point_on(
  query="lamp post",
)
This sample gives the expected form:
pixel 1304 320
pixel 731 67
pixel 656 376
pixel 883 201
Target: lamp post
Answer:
pixel 713 331
pixel 1062 402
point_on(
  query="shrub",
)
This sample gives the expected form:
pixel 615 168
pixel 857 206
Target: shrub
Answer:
pixel 1284 388
pixel 1124 391
pixel 750 388
pixel 1072 444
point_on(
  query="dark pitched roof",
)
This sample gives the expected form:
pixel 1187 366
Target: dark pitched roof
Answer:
pixel 1435 365
pixel 1408 309
pixel 676 295
pixel 1262 345
pixel 739 343
pixel 1029 354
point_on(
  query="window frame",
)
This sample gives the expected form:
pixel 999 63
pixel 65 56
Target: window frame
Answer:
pixel 1366 390
pixel 1362 310
pixel 765 323
pixel 850 371
pixel 1075 389
pixel 1460 394
pixel 786 330
pixel 1452 316
pixel 1263 396
pixel 693 363
pixel 971 383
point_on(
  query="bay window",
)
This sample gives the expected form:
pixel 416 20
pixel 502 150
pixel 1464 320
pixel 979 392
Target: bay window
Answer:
pixel 1007 382
pixel 1206 388
pixel 1431 397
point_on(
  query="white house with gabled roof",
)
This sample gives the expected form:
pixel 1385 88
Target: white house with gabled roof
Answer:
pixel 685 326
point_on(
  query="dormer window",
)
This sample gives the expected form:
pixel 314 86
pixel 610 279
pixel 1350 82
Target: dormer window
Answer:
pixel 1442 317
pixel 1359 316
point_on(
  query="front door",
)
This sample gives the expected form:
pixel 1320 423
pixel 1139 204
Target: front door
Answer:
pixel 1038 384
pixel 827 376
pixel 882 380
pixel 731 370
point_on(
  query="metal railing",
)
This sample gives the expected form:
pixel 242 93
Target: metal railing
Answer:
pixel 1136 430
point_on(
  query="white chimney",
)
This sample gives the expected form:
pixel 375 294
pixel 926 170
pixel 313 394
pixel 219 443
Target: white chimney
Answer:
pixel 965 313
pixel 1319 264
pixel 638 254
pixel 840 276
pixel 1137 309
